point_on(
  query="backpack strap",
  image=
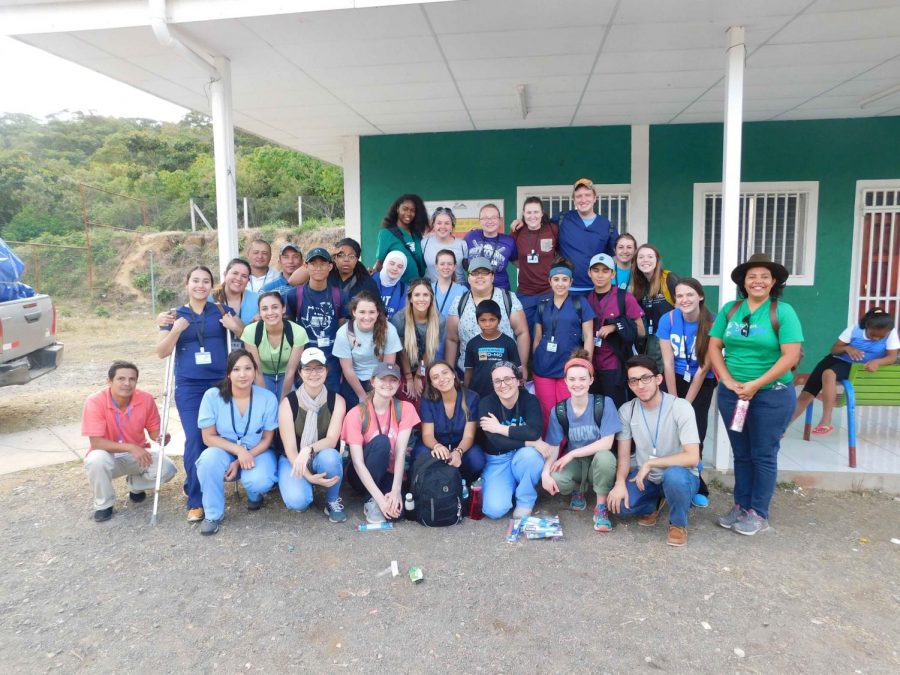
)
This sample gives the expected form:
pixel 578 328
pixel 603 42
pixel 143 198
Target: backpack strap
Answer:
pixel 364 407
pixel 295 405
pixel 598 409
pixel 397 410
pixel 734 308
pixel 336 299
pixel 364 414
pixel 461 304
pixel 576 303
pixel 258 334
pixel 667 294
pixel 562 418
pixel 330 399
pixel 539 319
pixel 620 299
pixel 507 300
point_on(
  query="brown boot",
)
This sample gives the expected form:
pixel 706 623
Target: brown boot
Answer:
pixel 650 519
pixel 677 535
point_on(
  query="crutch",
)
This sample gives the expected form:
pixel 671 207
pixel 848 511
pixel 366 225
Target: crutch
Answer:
pixel 167 398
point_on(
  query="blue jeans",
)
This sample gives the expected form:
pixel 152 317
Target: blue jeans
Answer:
pixel 756 448
pixel 297 492
pixel 272 386
pixel 678 486
pixel 472 461
pixel 516 472
pixel 211 468
pixel 188 394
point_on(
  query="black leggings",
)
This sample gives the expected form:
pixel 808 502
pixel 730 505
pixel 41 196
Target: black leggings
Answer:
pixel 831 362
pixel 701 405
pixel 376 455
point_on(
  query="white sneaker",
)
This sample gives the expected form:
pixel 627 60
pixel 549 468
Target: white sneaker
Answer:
pixel 522 511
pixel 374 516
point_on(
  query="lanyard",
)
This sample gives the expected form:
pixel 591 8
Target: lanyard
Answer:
pixel 199 326
pixel 687 354
pixel 655 437
pixel 121 437
pixel 556 312
pixel 446 295
pixel 240 437
pixel 280 354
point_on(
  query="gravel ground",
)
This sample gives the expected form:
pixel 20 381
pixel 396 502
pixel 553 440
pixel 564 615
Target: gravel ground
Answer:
pixel 276 590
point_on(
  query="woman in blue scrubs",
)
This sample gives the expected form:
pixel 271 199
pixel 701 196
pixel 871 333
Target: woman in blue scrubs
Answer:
pixel 197 338
pixel 233 290
pixel 238 421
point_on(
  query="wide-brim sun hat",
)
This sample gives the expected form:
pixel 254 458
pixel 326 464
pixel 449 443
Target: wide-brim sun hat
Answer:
pixel 759 260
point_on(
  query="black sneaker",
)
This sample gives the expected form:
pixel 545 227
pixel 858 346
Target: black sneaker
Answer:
pixel 208 527
pixel 137 497
pixel 103 514
pixel 255 506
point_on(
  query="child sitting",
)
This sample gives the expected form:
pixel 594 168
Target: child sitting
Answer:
pixel 873 342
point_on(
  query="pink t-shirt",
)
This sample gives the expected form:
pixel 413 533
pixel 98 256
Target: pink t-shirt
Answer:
pixel 102 418
pixel 352 429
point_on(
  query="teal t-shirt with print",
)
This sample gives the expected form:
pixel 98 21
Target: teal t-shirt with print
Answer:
pixel 749 357
pixel 411 247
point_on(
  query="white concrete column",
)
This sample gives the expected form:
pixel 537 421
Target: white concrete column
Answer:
pixel 223 148
pixel 731 193
pixel 639 199
pixel 352 193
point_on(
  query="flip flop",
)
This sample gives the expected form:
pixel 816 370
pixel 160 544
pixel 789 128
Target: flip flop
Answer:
pixel 823 430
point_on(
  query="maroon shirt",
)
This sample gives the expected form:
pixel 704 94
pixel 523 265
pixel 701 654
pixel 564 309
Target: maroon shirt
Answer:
pixel 607 307
pixel 534 277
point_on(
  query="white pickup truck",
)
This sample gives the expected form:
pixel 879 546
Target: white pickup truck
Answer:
pixel 28 346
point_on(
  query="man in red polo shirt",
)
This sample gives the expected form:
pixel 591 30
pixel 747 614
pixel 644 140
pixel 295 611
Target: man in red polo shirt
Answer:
pixel 117 420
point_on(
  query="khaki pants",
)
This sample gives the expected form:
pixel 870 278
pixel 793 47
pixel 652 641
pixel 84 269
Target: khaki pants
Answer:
pixel 102 467
pixel 600 468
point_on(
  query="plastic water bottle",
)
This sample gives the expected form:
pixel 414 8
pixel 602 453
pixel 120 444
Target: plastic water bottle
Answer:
pixel 410 503
pixel 475 512
pixel 465 489
pixel 740 416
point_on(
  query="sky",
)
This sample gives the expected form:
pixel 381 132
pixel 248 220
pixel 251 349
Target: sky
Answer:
pixel 44 84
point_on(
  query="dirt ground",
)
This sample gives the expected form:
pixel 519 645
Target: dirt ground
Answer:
pixel 276 590
pixel 91 344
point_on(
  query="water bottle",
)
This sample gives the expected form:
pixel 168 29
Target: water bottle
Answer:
pixel 475 512
pixel 465 489
pixel 740 415
pixel 410 503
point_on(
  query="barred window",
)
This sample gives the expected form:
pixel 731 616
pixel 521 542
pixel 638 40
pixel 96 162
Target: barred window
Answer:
pixel 612 201
pixel 776 219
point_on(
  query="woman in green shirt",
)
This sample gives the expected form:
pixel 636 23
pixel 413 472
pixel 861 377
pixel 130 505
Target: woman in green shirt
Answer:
pixel 761 338
pixel 402 230
pixel 276 344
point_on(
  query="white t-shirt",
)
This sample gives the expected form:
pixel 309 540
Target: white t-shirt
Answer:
pixel 256 283
pixel 363 351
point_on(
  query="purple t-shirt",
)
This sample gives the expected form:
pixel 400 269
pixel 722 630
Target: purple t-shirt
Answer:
pixel 499 250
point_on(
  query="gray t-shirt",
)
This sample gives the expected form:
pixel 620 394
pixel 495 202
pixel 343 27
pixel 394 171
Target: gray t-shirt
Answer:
pixel 583 429
pixel 677 428
pixel 363 351
pixel 431 247
pixel 399 321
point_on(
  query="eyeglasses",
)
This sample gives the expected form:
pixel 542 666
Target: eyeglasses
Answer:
pixel 745 329
pixel 504 382
pixel 347 256
pixel 313 370
pixel 643 379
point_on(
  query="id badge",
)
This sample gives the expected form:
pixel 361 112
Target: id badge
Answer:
pixel 202 358
pixel 237 344
pixel 532 258
pixel 551 346
pixel 687 375
pixel 422 368
pixel 598 341
pixel 323 342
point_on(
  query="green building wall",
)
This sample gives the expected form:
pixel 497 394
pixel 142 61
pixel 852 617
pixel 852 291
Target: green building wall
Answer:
pixel 490 164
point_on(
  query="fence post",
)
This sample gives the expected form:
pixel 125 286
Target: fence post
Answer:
pixel 246 215
pixel 152 286
pixel 193 217
pixel 300 211
pixel 87 241
pixel 36 263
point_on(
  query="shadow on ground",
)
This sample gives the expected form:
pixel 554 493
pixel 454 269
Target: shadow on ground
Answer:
pixel 276 590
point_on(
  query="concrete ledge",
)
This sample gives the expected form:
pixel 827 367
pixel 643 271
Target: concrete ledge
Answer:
pixel 836 481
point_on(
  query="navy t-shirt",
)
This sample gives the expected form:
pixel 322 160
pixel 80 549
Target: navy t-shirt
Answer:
pixel 319 316
pixel 393 298
pixel 204 332
pixel 561 326
pixel 482 354
pixel 449 431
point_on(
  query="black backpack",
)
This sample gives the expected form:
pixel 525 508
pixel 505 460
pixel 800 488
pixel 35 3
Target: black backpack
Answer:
pixel 436 488
pixel 562 415
pixel 288 333
pixel 625 336
pixel 464 299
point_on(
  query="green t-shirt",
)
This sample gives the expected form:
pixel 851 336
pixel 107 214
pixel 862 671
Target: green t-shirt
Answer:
pixel 411 247
pixel 749 357
pixel 274 360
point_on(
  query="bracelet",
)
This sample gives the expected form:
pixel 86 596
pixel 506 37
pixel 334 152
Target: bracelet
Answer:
pixel 407 374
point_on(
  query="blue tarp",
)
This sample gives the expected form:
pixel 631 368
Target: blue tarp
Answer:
pixel 10 273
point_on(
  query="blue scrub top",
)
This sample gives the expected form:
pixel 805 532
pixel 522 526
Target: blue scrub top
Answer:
pixel 683 338
pixel 564 324
pixel 246 429
pixel 444 301
pixel 448 431
pixel 207 332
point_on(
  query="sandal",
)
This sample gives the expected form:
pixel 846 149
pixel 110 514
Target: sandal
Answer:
pixel 823 430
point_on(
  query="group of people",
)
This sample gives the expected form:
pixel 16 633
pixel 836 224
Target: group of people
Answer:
pixel 596 374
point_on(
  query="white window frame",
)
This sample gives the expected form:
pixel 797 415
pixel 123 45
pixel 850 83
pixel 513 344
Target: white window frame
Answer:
pixel 808 277
pixel 544 191
pixel 859 213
